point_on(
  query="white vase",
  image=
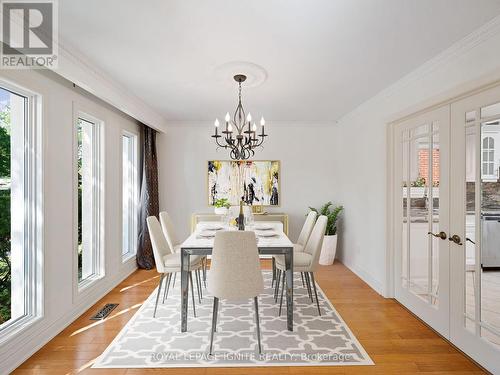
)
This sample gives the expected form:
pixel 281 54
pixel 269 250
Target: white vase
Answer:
pixel 220 210
pixel 328 250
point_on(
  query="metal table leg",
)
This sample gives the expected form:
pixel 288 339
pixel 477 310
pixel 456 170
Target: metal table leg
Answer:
pixel 184 288
pixel 289 287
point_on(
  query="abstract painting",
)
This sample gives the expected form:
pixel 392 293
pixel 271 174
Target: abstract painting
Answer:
pixel 257 182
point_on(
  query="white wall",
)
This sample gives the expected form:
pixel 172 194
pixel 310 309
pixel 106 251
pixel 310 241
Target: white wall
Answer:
pixel 60 304
pixel 361 144
pixel 307 176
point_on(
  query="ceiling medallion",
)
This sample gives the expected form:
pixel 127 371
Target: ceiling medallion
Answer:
pixel 240 134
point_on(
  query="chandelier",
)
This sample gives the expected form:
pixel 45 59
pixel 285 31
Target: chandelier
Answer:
pixel 240 134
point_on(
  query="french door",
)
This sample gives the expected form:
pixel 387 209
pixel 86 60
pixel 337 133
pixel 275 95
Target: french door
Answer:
pixel 475 219
pixel 422 211
pixel 447 222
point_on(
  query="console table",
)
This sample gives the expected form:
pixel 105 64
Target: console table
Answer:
pixel 270 216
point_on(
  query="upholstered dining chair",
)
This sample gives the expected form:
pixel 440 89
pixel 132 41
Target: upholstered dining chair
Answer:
pixel 167 262
pixel 306 261
pixel 299 245
pixel 235 273
pixel 169 231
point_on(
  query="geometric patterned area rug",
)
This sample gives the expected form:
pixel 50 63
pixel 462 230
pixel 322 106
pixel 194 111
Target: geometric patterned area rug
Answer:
pixel 147 342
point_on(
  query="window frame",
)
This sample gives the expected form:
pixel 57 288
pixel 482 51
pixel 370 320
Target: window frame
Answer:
pixel 98 201
pixel 488 163
pixel 133 220
pixel 33 213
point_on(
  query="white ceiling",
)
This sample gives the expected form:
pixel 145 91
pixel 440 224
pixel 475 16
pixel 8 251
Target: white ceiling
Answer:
pixel 322 57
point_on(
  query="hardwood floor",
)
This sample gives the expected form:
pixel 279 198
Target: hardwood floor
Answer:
pixel 397 342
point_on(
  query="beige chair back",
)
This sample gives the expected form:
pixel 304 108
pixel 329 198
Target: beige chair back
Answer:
pixel 159 243
pixel 168 229
pixel 235 268
pixel 307 228
pixel 315 242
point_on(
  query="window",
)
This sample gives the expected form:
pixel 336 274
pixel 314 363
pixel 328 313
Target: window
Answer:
pixel 488 162
pixel 20 294
pixel 129 195
pixel 88 199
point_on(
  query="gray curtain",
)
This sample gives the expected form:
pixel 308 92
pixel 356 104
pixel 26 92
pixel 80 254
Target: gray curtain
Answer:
pixel 149 205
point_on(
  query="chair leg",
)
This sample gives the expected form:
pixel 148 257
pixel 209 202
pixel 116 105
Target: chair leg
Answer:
pixel 308 283
pixel 200 272
pixel 175 277
pixel 198 284
pixel 302 277
pixel 256 304
pixel 167 286
pixel 282 291
pixel 315 292
pixel 162 276
pixel 214 323
pixel 274 271
pixel 277 286
pixel 204 265
pixel 192 292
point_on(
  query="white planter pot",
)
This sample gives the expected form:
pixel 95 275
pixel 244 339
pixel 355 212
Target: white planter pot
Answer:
pixel 328 250
pixel 220 210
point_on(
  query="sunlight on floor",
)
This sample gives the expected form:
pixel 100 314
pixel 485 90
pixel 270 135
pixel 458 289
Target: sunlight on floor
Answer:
pixel 84 367
pixel 139 283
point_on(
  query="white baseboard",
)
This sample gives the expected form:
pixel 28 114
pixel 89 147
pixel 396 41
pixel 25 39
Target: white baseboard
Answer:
pixel 24 345
pixel 365 276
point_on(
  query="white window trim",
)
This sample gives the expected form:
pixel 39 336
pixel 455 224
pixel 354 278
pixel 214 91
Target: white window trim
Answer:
pixel 99 266
pixel 33 234
pixel 134 220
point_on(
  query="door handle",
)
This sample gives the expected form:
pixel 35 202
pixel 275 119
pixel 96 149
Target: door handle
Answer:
pixel 468 239
pixel 456 238
pixel 441 235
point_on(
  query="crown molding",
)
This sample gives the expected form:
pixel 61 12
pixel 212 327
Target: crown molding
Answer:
pixel 270 123
pixel 443 59
pixel 77 68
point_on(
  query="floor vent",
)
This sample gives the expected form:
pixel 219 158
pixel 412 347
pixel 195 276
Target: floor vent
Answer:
pixel 104 312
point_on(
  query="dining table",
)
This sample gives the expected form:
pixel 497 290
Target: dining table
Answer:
pixel 200 243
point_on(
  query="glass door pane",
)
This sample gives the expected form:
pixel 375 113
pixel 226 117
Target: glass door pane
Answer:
pixel 420 243
pixel 489 286
pixel 470 222
pixel 435 179
pixel 405 220
pixel 421 158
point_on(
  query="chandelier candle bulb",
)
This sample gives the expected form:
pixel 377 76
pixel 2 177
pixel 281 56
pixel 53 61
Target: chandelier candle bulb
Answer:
pixel 262 121
pixel 254 127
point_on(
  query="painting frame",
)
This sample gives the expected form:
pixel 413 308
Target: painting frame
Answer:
pixel 207 185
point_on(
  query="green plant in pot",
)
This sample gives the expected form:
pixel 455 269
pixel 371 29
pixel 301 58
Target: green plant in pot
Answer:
pixel 329 247
pixel 221 206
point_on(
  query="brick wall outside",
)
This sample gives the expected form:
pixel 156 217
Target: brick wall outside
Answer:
pixel 423 164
